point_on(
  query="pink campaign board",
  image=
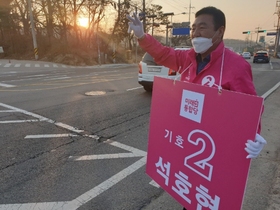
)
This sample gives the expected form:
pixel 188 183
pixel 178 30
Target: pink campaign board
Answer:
pixel 196 143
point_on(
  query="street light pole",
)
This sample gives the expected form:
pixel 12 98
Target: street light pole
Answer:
pixel 33 30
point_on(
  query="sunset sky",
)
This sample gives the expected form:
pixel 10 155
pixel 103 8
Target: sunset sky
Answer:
pixel 241 15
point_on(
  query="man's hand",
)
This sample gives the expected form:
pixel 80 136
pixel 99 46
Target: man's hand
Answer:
pixel 255 147
pixel 136 26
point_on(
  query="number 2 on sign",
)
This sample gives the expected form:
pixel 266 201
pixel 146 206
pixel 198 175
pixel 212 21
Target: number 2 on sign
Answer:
pixel 199 161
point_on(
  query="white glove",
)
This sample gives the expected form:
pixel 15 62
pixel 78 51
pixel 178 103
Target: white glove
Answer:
pixel 255 147
pixel 136 26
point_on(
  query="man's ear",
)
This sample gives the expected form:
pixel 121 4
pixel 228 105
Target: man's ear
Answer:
pixel 221 32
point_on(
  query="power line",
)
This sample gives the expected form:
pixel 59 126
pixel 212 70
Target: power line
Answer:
pixel 172 5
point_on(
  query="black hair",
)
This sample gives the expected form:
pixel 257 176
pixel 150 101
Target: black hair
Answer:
pixel 218 16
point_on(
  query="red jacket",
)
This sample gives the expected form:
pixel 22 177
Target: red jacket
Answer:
pixel 236 73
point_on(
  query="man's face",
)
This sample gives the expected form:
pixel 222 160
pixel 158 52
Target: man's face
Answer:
pixel 203 26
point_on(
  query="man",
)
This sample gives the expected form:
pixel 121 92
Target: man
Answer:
pixel 209 63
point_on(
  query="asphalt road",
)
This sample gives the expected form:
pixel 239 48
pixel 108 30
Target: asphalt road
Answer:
pixel 76 137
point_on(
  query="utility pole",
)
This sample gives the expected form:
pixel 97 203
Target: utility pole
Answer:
pixel 278 29
pixel 144 19
pixel 167 26
pixel 190 11
pixel 33 30
pixel 258 28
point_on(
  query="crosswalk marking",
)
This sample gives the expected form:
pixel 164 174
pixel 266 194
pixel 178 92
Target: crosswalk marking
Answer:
pixel 36 65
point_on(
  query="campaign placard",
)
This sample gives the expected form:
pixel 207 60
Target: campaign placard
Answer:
pixel 196 143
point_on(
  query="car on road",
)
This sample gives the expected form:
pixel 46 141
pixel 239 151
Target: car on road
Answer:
pixel 261 57
pixel 148 69
pixel 246 55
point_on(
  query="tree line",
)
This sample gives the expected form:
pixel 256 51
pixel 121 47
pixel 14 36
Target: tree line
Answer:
pixel 57 29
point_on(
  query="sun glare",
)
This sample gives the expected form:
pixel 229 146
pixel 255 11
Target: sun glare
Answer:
pixel 83 22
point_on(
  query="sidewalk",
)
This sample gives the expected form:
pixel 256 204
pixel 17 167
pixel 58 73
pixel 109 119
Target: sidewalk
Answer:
pixel 263 186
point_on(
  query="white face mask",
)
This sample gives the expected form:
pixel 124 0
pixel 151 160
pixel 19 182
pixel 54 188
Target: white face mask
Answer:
pixel 202 44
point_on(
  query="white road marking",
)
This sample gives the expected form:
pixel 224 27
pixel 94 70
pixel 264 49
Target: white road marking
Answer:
pixel 7 85
pixel 37 65
pixel 134 153
pixel 57 78
pixel 271 90
pixel 105 156
pixel 49 136
pixel 8 65
pixel 270 65
pixel 17 121
pixel 153 183
pixel 17 65
pixel 27 65
pixel 40 118
pixel 46 65
pixel 133 88
pixel 89 195
pixel 8 111
pixel 34 206
pixel 36 75
pixel 68 127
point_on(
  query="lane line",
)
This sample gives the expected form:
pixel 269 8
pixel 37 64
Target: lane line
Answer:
pixel 104 156
pixel 68 127
pixel 57 78
pixel 134 153
pixel 94 192
pixel 50 136
pixel 7 85
pixel 34 206
pixel 153 183
pixel 133 88
pixel 40 118
pixel 8 111
pixel 36 75
pixel 271 90
pixel 17 121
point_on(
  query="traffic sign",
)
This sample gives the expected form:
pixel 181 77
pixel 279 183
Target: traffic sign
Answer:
pixel 181 31
pixel 271 33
